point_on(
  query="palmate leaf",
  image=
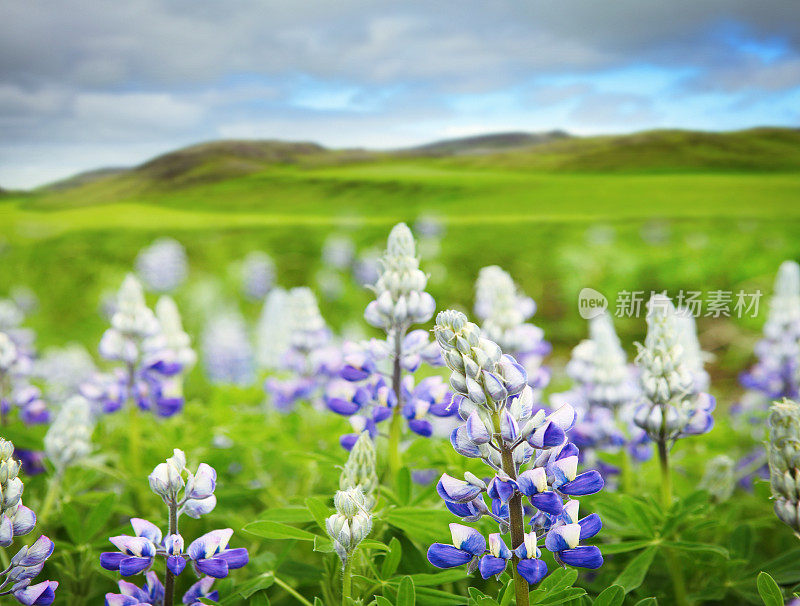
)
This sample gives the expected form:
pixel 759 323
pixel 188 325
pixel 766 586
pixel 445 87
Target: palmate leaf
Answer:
pixel 785 569
pixel 698 547
pixel 634 573
pixel 768 590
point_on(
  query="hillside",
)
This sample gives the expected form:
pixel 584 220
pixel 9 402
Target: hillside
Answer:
pixel 763 149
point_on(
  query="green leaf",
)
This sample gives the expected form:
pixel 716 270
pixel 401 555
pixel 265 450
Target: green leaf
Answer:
pixel 768 590
pixel 741 541
pixel 404 486
pixel 420 524
pixel 647 602
pixel 275 530
pixel 259 599
pixel 292 515
pixel 322 544
pixel 611 596
pixel 431 580
pixel 72 522
pixel 373 544
pixel 563 595
pixel 624 547
pixel 99 515
pixel 262 581
pixel 382 601
pixel 406 596
pixel 633 574
pixel 319 510
pixel 508 594
pixel 392 559
pixel 698 547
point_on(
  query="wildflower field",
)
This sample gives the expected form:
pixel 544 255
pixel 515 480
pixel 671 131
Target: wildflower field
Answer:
pixel 369 380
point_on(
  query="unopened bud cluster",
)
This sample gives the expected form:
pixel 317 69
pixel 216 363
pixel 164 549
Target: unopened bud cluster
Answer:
pixel 167 481
pixel 673 406
pixel 360 470
pixel 400 297
pixel 68 440
pixel 776 374
pixel 351 523
pixel 784 461
pixel 504 311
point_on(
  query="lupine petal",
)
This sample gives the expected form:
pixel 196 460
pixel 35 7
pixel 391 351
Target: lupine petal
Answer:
pixel 467 539
pixel 462 444
pixel 110 560
pixel 176 564
pixel 532 571
pixel 421 427
pixel 584 556
pixel 588 482
pixel 213 567
pixel 455 490
pixel 447 556
pixel 134 565
pixel 490 566
pixel 590 526
pixel 236 558
pixel 532 481
pixel 549 502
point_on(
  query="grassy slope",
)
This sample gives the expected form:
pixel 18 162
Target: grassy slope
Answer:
pixel 726 227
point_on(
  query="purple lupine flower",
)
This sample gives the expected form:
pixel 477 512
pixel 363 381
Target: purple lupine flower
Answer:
pixel 210 554
pixel 201 589
pixel 41 594
pixel 132 595
pixel 468 545
pixel 528 448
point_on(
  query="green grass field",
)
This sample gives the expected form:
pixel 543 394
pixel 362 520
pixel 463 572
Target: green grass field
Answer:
pixel 666 210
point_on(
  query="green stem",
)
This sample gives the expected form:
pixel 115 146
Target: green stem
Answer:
pixel 4 558
pixel 666 496
pixel 169 578
pixel 516 517
pixel 396 427
pixel 49 498
pixel 289 589
pixel 347 581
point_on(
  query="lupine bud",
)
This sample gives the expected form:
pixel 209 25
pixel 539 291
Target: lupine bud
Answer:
pixel 784 461
pixel 673 408
pixel 351 523
pixel 360 469
pixel 162 265
pixel 68 439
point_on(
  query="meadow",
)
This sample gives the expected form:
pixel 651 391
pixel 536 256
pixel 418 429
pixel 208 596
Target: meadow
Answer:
pixel 651 212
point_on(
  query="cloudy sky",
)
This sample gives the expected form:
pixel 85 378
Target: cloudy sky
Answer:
pixel 90 83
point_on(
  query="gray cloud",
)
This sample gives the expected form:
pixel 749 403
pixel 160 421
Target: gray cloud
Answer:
pixel 146 74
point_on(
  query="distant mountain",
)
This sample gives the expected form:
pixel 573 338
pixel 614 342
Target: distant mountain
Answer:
pixel 758 149
pixel 483 144
pixel 86 177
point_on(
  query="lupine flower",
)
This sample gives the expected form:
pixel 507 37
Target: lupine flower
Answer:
pixel 68 440
pixel 162 266
pixel 133 595
pixel 719 478
pixel 674 406
pixel 360 470
pixel 152 360
pixel 311 358
pixel 468 546
pixel 694 357
pixel 201 589
pixel 364 394
pixel 338 252
pixel 16 370
pixel 366 268
pixel 605 396
pixel 227 353
pixel 64 370
pixel 784 461
pixel 183 492
pixel 257 275
pixel 17 520
pixel 273 332
pixel 504 311
pixel 776 374
pixel 504 429
pixel 351 523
